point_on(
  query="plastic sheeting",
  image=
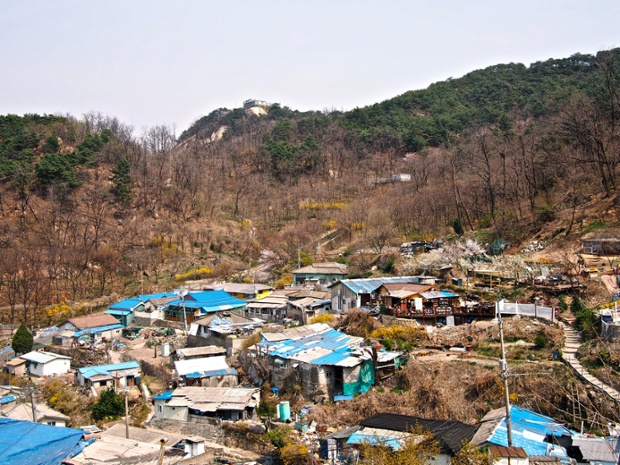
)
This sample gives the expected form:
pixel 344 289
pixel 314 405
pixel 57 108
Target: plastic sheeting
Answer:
pixel 28 443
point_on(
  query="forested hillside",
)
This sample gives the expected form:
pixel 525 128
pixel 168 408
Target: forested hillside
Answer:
pixel 89 207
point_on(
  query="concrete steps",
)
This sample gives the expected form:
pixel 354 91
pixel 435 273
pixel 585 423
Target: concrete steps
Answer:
pixel 572 342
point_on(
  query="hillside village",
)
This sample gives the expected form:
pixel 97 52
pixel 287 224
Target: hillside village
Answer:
pixel 430 279
pixel 196 367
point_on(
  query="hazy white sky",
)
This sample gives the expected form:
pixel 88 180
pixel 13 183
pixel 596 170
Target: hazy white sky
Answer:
pixel 153 62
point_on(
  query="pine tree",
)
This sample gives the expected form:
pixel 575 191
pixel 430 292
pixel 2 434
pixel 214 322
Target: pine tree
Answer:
pixel 122 180
pixel 22 340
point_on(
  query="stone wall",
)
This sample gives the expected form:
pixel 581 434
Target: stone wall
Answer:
pixel 208 428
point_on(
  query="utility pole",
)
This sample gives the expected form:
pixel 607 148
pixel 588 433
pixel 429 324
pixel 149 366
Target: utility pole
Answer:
pixel 34 409
pixel 503 372
pixel 126 413
pixel 182 293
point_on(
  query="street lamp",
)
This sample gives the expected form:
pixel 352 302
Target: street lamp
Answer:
pixel 162 443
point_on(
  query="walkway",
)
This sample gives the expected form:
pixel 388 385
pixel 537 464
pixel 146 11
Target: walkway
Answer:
pixel 572 342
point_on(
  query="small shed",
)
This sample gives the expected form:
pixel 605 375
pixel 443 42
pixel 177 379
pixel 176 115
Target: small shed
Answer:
pixel 113 375
pixel 207 371
pixel 125 310
pixel 15 367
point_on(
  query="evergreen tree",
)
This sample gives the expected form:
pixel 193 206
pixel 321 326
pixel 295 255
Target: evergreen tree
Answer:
pixel 458 228
pixel 122 180
pixel 22 340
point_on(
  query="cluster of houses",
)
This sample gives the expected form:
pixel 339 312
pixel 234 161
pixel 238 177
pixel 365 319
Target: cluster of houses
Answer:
pixel 327 364
pixel 317 289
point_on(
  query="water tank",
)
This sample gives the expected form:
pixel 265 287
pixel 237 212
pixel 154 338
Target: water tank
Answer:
pixel 285 410
pixel 165 349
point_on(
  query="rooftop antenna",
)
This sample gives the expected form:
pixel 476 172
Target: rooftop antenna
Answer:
pixel 503 371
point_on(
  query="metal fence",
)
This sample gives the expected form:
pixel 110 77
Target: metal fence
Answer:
pixel 531 310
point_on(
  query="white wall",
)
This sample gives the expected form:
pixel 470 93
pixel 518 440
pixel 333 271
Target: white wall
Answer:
pixel 51 368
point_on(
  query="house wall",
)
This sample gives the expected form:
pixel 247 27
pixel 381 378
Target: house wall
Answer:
pixel 120 375
pixel 67 326
pixel 358 379
pixel 263 293
pixel 610 331
pixel 110 334
pixel 99 385
pixel 217 381
pixel 231 343
pixel 53 367
pixel 343 298
pixel 266 314
pixel 299 278
pixel 155 314
pixel 170 413
pixel 52 422
pixel 295 313
pixel 19 370
pixel 512 461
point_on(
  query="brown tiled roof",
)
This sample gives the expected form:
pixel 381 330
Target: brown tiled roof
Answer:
pixel 503 451
pixel 92 321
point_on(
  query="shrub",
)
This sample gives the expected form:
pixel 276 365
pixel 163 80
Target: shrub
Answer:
pixel 540 341
pixel 109 405
pixel 199 273
pixel 396 336
pixel 279 437
pixel 325 318
pixel 266 409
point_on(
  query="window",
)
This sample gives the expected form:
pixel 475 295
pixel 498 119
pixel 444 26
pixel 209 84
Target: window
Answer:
pixel 328 374
pixel 160 408
pixel 51 423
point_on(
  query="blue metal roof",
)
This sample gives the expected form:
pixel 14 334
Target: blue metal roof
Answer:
pixel 526 425
pixel 371 439
pixel 209 301
pixel 89 372
pixel 332 340
pixel 333 358
pixel 160 295
pixel 164 396
pixel 127 304
pixel 7 399
pixel 438 295
pixel 369 285
pixel 118 312
pixel 28 443
pixel 97 329
pixel 209 373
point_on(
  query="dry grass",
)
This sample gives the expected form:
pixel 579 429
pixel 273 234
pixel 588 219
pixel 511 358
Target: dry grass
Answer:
pixel 358 323
pixel 467 390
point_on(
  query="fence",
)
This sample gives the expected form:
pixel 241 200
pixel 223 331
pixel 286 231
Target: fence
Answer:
pixel 530 310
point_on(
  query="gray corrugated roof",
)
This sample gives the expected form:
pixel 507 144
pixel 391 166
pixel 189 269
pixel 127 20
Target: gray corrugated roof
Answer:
pixel 324 268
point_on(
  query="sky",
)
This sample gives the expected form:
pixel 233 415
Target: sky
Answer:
pixel 156 62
